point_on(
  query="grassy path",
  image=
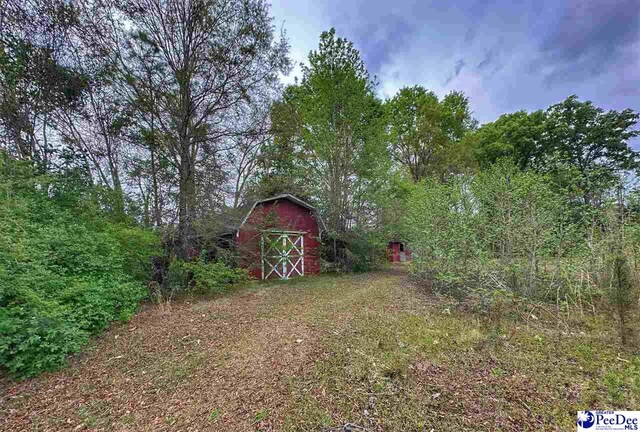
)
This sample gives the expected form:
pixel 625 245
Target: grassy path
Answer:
pixel 318 353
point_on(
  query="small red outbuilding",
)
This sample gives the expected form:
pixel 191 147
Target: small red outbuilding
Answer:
pixel 280 238
pixel 398 252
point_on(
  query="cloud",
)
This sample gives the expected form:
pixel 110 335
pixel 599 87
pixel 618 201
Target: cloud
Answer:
pixel 460 64
pixel 588 38
pixel 489 57
pixel 391 36
pixel 470 35
pixel 475 12
pixel 504 55
pixel 379 39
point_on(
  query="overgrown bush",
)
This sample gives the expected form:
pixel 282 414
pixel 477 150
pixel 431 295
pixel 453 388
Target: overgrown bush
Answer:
pixel 66 272
pixel 212 277
pixel 354 251
pixel 504 229
pixel 201 277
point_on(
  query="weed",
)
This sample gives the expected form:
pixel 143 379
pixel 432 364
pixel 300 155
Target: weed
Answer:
pixel 214 415
pixel 260 415
pixel 584 352
pixel 498 372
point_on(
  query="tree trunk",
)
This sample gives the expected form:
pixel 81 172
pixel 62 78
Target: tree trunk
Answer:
pixel 157 212
pixel 187 204
pixel 118 194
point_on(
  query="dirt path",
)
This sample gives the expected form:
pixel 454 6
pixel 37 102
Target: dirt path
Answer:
pixel 223 364
pixel 316 354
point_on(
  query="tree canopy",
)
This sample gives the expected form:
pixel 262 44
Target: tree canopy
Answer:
pixel 584 146
pixel 332 124
pixel 427 134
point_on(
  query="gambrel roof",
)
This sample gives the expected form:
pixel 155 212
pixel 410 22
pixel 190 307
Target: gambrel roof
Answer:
pixel 321 226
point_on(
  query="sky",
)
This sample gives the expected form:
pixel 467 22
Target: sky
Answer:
pixel 505 55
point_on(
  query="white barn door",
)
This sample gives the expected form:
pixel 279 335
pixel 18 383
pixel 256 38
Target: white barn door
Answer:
pixel 282 254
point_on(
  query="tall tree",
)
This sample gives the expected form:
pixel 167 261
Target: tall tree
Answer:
pixel 210 60
pixel 280 170
pixel 96 126
pixel 582 145
pixel 35 80
pixel 244 159
pixel 517 136
pixel 149 168
pixel 591 141
pixel 426 134
pixel 337 129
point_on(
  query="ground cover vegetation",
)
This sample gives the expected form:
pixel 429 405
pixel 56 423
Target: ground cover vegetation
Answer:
pixel 368 350
pixel 131 131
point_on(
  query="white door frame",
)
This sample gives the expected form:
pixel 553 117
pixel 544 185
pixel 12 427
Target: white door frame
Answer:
pixel 282 253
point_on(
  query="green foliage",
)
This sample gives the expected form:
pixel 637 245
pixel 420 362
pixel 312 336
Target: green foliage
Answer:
pixel 201 277
pixel 620 281
pixel 37 340
pixel 213 277
pixel 495 228
pixel 426 133
pixel 510 231
pixel 369 252
pixel 65 273
pixel 329 132
pixel 517 136
pixel 579 144
pixel 139 245
pixel 177 279
pixel 440 225
pixel 364 251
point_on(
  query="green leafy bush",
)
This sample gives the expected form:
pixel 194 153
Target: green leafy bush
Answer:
pixel 501 229
pixel 510 231
pixel 368 251
pixel 66 272
pixel 195 277
pixel 212 277
pixel 354 251
pixel 33 340
pixel 138 246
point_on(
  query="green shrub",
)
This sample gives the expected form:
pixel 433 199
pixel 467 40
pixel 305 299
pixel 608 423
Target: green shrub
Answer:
pixel 176 280
pixel 138 245
pixel 198 277
pixel 212 277
pixel 499 229
pixel 368 251
pixel 37 340
pixel 356 251
pixel 66 273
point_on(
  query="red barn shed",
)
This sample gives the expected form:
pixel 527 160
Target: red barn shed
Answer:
pixel 398 251
pixel 280 238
